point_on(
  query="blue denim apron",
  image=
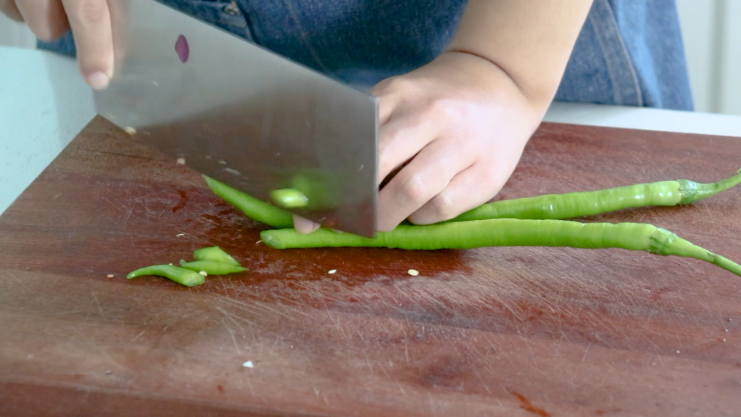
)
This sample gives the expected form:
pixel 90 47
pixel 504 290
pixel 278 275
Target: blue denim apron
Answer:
pixel 629 52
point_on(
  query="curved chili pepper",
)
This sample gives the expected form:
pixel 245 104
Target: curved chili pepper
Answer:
pixel 588 203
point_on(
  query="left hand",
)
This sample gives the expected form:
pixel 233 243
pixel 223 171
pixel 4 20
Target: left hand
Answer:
pixel 460 125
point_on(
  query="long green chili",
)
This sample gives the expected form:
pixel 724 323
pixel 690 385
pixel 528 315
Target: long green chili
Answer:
pixel 212 267
pixel 250 206
pixel 588 203
pixel 508 232
pixel 180 275
pixel 214 253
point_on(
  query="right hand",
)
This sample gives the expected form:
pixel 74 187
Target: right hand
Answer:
pixel 90 21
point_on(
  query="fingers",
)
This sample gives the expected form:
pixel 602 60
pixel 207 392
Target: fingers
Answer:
pixel 401 139
pixel 45 18
pixel 467 190
pixel 10 9
pixel 90 21
pixel 425 177
pixel 304 226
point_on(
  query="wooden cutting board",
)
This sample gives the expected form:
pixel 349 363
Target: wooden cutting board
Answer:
pixel 494 331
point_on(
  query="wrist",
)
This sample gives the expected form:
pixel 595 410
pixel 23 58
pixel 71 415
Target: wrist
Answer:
pixel 502 85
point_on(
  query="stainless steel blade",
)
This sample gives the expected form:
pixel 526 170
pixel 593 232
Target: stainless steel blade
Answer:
pixel 243 115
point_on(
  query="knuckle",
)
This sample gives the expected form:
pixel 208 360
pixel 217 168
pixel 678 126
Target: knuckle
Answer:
pixel 488 173
pixel 442 207
pixel 397 83
pixel 388 142
pixel 413 190
pixel 445 109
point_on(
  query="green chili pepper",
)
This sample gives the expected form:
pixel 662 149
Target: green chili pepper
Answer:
pixel 508 232
pixel 214 253
pixel 289 198
pixel 250 206
pixel 569 205
pixel 177 274
pixel 212 267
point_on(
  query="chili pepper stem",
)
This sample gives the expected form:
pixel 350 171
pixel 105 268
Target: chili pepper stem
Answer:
pixel 692 191
pixel 664 242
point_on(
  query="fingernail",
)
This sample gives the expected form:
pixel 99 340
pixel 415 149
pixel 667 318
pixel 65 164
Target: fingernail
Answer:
pixel 98 80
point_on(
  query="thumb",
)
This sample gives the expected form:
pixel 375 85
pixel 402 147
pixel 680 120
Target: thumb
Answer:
pixel 91 25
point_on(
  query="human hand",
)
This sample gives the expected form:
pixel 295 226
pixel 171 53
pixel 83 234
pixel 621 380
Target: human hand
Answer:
pixel 90 22
pixel 460 125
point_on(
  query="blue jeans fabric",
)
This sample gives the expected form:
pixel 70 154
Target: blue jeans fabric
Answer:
pixel 629 52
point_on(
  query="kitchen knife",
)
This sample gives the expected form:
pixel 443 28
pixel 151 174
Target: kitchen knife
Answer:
pixel 243 115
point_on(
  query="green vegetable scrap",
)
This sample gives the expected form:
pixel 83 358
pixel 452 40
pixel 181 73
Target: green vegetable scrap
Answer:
pixel 175 273
pixel 209 261
pixel 212 267
pixel 289 198
pixel 214 253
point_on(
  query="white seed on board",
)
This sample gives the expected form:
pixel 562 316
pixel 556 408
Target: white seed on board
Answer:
pixel 332 271
pixel 130 130
pixel 413 272
pixel 181 161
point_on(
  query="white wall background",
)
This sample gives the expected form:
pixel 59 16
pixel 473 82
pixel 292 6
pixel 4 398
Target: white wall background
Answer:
pixel 712 36
pixel 15 34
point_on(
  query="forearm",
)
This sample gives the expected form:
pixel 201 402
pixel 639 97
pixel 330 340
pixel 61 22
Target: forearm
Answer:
pixel 530 41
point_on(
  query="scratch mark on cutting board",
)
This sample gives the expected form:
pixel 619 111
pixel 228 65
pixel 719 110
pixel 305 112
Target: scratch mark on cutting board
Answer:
pixel 233 317
pixel 231 333
pixel 107 356
pixel 97 303
pixel 584 358
pixel 321 395
pixel 255 307
pixel 367 362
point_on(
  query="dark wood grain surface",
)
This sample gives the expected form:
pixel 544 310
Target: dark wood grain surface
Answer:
pixel 494 331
